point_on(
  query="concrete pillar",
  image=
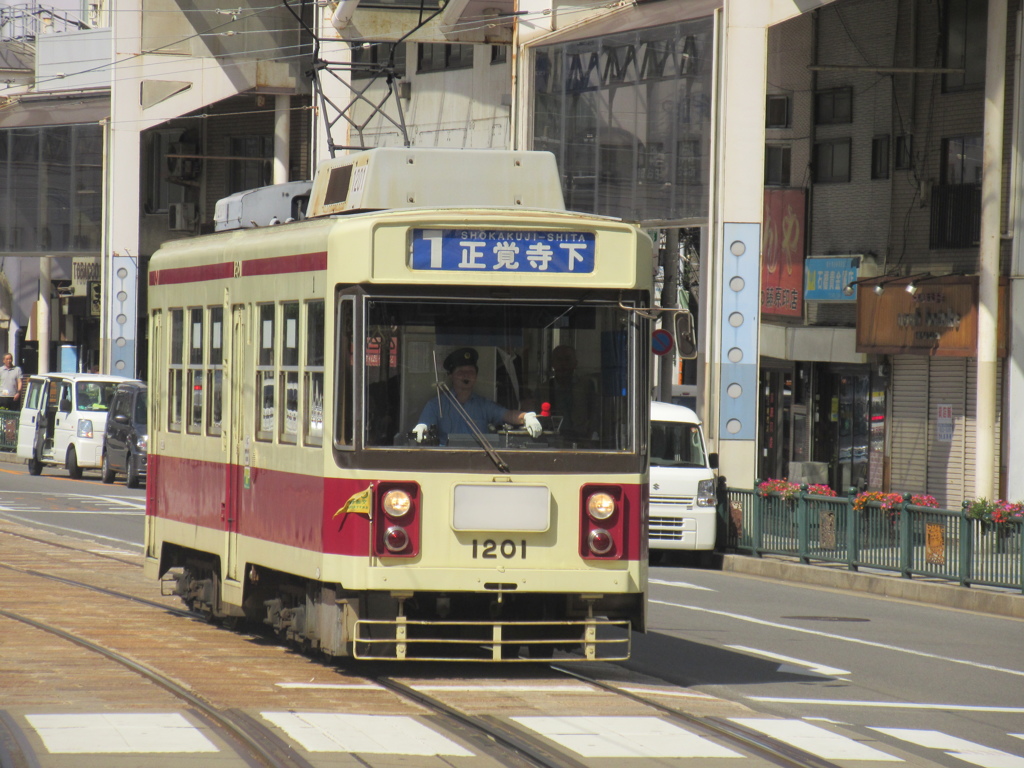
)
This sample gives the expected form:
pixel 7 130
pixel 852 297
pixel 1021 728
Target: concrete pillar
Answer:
pixel 43 314
pixel 282 137
pixel 986 472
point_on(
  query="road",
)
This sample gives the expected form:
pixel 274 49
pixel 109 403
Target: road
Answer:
pixel 943 684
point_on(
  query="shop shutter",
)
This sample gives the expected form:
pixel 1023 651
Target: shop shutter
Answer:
pixel 947 398
pixel 971 433
pixel 909 428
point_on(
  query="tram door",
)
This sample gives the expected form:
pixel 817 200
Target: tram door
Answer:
pixel 237 438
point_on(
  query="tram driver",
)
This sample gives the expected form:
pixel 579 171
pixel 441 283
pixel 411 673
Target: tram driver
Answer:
pixel 440 412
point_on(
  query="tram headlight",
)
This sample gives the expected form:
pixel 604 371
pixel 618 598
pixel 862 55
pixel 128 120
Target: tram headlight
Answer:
pixel 600 541
pixel 396 503
pixel 600 506
pixel 396 539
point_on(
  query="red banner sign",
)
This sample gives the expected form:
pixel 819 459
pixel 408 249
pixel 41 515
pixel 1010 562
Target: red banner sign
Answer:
pixel 782 252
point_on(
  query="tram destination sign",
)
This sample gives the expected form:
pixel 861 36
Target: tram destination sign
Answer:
pixel 511 250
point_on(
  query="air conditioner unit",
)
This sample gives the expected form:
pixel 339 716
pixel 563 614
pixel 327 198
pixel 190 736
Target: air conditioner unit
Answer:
pixel 181 217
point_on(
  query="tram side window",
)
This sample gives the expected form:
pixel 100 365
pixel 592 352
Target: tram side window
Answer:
pixel 313 384
pixel 289 378
pixel 215 373
pixel 265 395
pixel 195 371
pixel 175 371
pixel 345 382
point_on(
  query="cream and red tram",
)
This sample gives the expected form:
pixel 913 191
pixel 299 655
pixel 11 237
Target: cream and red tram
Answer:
pixel 290 366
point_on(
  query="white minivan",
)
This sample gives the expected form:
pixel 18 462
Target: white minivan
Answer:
pixel 63 419
pixel 683 483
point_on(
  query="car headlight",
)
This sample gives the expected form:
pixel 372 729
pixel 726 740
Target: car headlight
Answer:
pixel 85 427
pixel 706 496
pixel 142 442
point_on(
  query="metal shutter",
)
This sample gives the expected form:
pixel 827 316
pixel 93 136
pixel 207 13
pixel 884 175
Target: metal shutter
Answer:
pixel 947 386
pixel 909 446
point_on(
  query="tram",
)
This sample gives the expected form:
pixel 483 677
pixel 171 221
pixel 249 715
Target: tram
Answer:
pixel 315 461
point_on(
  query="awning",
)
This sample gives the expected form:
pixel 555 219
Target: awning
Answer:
pixel 25 113
pixel 653 14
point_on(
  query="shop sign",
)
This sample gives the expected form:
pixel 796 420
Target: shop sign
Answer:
pixel 940 319
pixel 84 269
pixel 782 252
pixel 825 278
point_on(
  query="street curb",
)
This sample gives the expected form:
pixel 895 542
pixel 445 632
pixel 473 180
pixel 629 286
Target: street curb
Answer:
pixel 918 590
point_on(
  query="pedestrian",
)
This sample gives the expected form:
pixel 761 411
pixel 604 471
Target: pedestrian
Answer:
pixel 10 384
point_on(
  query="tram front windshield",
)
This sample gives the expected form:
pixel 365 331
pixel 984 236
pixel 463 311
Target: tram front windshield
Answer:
pixel 457 374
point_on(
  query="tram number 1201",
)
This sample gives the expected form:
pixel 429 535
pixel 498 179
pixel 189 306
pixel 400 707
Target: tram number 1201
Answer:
pixel 489 549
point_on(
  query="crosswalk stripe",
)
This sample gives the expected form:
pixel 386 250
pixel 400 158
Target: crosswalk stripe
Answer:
pixel 968 751
pixel 367 734
pixel 624 737
pixel 162 733
pixel 816 740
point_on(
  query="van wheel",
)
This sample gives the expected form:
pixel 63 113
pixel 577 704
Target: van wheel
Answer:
pixel 132 480
pixel 74 470
pixel 35 466
pixel 106 473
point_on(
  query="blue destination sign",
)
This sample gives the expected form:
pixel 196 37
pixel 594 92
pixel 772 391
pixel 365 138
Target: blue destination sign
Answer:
pixel 825 278
pixel 511 250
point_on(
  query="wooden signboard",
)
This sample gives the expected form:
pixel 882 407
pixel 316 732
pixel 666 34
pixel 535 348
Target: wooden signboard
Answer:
pixel 940 319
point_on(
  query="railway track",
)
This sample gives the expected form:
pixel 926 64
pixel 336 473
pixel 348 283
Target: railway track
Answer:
pixel 149 639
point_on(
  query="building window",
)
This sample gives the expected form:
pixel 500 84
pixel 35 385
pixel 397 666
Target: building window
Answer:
pixel 880 157
pixel 776 165
pixel 371 59
pixel 904 159
pixel 834 106
pixel 964 32
pixel 499 54
pixel 437 57
pixel 961 160
pixel 777 112
pixel 832 161
pixel 245 173
pixel 956 202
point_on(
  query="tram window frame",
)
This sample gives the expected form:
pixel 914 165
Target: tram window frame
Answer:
pixel 288 375
pixel 266 337
pixel 215 372
pixel 194 425
pixel 175 369
pixel 344 385
pixel 313 374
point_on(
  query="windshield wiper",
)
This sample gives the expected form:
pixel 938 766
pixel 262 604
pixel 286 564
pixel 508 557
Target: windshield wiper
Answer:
pixel 473 428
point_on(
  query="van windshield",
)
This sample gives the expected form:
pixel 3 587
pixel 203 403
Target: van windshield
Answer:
pixel 675 444
pixel 94 395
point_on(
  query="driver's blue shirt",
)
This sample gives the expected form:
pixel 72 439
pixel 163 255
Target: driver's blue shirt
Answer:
pixel 449 421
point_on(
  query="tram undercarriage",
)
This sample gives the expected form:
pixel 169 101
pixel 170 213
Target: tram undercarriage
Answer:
pixel 427 626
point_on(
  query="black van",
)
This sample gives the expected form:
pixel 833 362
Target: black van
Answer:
pixel 127 438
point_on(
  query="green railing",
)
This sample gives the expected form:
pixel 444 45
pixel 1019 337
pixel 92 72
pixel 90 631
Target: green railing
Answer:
pixel 9 429
pixel 907 539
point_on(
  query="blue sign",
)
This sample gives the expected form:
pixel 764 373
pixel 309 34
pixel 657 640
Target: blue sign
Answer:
pixel 825 279
pixel 661 341
pixel 509 250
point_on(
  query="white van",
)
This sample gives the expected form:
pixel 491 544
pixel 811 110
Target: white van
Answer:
pixel 683 484
pixel 63 419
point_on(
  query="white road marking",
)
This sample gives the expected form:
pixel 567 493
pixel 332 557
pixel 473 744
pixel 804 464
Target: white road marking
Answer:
pixel 968 751
pixel 855 640
pixel 812 666
pixel 624 737
pixel 889 704
pixel 681 584
pixel 334 686
pixel 818 741
pixel 655 691
pixel 64 529
pixel 119 733
pixel 566 688
pixel 365 734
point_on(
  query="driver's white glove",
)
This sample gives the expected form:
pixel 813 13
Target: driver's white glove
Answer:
pixel 420 431
pixel 532 424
